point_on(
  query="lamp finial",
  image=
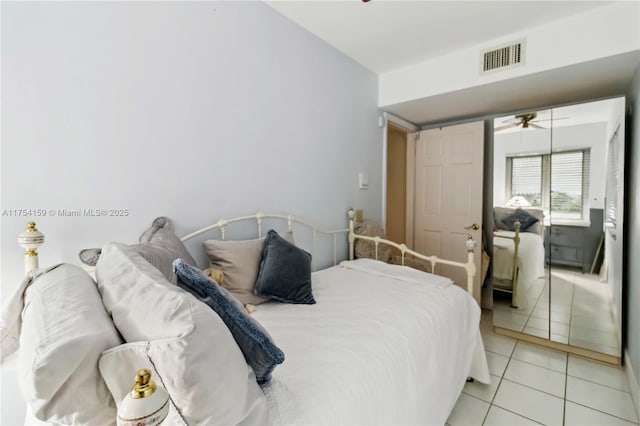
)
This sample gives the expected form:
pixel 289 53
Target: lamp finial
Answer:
pixel 144 386
pixel 145 404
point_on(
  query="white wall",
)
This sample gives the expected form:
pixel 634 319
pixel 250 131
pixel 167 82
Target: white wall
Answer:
pixel 540 141
pixel 594 34
pixel 190 110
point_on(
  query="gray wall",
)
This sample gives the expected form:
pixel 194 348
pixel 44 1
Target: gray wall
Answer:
pixel 190 110
pixel 195 111
pixel 632 229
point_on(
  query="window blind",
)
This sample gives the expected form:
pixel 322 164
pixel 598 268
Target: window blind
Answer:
pixel 569 182
pixel 526 178
pixel 558 182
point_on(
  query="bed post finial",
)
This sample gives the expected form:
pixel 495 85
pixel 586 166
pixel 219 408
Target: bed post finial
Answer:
pixel 259 217
pixel 30 239
pixel 470 244
pixel 352 214
pixel 470 266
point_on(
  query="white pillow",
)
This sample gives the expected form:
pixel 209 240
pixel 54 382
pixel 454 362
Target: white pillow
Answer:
pixel 185 343
pixel 64 329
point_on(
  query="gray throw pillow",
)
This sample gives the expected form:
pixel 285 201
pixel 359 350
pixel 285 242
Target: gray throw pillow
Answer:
pixel 259 350
pixel 159 245
pixel 90 256
pixel 285 272
pixel 162 234
pixel 525 219
pixel 502 213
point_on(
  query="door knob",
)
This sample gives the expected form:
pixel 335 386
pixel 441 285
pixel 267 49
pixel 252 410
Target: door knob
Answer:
pixel 475 227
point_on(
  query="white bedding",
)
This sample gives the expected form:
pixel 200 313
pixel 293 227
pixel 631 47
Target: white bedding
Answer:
pixel 374 349
pixel 530 259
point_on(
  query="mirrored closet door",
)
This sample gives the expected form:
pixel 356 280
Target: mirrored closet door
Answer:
pixel 557 249
pixel 520 278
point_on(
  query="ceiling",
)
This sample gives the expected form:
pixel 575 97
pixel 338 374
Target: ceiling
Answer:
pixel 592 80
pixel 384 35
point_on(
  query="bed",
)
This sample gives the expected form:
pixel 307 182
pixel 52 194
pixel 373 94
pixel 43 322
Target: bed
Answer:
pixel 518 251
pixel 381 344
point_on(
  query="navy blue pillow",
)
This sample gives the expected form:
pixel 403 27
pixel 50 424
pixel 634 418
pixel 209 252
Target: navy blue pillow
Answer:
pixel 285 271
pixel 259 350
pixel 525 218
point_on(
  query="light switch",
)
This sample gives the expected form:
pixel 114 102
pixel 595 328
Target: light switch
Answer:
pixel 363 180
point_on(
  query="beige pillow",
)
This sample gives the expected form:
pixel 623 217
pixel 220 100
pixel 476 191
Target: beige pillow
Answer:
pixel 240 262
pixel 191 351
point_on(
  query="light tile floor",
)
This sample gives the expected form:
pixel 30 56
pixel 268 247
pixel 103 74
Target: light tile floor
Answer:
pixel 533 385
pixel 579 313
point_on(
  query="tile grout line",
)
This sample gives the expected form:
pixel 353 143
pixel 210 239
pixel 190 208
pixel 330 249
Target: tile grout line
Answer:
pixel 597 383
pixel 601 412
pixel 535 305
pixel 502 378
pixel 550 394
pixel 573 289
pixel 518 414
pixel 499 383
pixel 531 363
pixel 566 380
pixel 566 371
pixel 535 389
pixel 566 374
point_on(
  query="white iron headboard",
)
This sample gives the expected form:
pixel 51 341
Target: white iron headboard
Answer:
pixel 259 217
pixel 469 266
pixel 31 239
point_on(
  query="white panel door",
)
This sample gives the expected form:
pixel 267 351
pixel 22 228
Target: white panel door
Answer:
pixel 448 196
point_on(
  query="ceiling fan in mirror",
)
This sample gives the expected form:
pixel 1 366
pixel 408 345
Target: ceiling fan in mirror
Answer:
pixel 525 121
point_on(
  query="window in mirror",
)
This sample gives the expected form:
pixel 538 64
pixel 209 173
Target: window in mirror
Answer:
pixel 570 185
pixel 563 175
pixel 526 179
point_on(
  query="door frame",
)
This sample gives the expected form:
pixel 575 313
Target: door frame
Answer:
pixel 410 128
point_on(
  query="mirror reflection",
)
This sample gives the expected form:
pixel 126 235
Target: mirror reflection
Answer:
pixel 522 144
pixel 555 264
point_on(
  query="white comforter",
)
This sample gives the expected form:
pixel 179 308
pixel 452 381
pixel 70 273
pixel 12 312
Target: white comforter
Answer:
pixel 530 260
pixel 384 344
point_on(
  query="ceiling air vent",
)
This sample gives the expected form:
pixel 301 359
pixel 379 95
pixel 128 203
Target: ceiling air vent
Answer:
pixel 502 57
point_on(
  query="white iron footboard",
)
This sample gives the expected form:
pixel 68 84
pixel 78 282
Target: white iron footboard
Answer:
pixel 469 266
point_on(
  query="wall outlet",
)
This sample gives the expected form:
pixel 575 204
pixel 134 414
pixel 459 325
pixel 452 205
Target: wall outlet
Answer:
pixel 359 215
